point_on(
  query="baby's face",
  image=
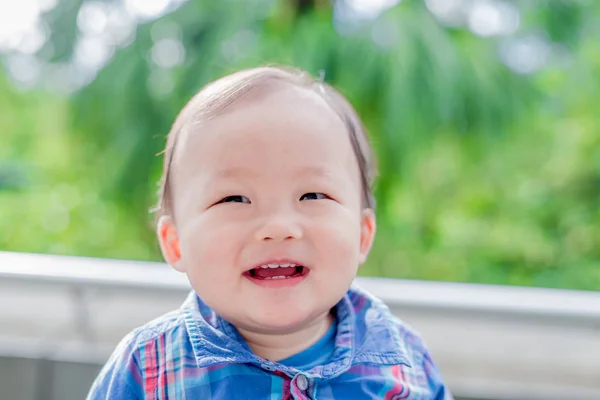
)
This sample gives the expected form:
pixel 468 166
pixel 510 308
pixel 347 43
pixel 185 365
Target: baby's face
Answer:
pixel 273 182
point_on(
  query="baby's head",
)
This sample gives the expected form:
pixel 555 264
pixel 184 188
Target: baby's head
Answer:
pixel 266 200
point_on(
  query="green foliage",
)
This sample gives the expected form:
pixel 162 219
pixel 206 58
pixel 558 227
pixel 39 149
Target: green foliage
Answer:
pixel 485 175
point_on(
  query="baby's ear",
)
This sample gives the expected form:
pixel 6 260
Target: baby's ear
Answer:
pixel 169 242
pixel 368 227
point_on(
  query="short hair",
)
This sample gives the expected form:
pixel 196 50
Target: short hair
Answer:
pixel 216 97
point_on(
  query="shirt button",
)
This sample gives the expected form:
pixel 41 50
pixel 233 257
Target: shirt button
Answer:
pixel 302 382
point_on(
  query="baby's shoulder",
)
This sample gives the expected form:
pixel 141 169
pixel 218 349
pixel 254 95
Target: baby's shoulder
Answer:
pixel 410 338
pixel 141 356
pixel 384 328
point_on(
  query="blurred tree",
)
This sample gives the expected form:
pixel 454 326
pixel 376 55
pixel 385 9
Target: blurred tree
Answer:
pixel 486 131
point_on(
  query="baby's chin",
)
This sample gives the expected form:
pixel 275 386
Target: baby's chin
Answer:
pixel 281 321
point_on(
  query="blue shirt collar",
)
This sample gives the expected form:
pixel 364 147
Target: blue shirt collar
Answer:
pixel 366 332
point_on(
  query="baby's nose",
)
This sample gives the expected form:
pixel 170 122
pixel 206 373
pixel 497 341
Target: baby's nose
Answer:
pixel 279 229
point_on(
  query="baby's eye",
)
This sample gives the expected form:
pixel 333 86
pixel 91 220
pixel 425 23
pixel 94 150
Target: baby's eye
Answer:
pixel 314 196
pixel 235 199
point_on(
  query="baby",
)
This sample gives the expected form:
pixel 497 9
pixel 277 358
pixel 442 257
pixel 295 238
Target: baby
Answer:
pixel 266 206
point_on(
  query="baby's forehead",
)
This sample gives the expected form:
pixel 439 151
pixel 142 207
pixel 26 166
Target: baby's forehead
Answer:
pixel 290 122
pixel 268 100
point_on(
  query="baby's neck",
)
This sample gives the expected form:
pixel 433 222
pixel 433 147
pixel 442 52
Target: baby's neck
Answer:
pixel 276 347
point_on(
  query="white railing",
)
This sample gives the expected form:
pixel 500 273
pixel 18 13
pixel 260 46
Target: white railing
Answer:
pixel 492 342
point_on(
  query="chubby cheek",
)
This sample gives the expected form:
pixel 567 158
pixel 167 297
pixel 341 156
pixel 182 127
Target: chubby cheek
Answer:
pixel 338 240
pixel 209 255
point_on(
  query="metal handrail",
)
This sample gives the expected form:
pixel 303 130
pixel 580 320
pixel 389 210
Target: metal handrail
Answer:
pixel 475 305
pixel 556 305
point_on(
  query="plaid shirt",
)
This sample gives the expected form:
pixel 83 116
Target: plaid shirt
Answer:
pixel 192 353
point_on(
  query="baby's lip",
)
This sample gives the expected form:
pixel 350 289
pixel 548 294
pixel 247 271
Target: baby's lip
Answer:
pixel 279 261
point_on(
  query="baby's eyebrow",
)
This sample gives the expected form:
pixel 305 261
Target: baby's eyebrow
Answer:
pixel 312 170
pixel 235 172
pixel 316 171
pixel 243 173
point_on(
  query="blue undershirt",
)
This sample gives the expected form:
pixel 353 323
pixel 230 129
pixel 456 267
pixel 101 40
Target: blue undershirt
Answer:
pixel 318 354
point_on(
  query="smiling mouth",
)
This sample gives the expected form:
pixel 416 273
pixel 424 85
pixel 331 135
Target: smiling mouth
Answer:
pixel 277 271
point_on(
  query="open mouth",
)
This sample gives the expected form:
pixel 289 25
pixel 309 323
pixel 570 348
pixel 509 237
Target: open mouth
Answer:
pixel 277 271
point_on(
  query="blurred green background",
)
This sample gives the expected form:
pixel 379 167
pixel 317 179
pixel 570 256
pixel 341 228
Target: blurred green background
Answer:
pixel 484 115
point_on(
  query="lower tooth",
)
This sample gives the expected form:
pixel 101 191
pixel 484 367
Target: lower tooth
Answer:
pixel 276 277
